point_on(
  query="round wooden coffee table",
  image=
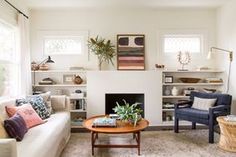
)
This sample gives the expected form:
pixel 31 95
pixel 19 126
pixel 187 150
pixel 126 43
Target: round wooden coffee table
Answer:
pixel 121 128
pixel 227 134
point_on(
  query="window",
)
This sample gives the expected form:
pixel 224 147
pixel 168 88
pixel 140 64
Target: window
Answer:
pixel 64 42
pixel 173 43
pixel 9 61
pixel 58 45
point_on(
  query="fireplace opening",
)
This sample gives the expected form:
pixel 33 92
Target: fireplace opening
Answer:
pixel 131 98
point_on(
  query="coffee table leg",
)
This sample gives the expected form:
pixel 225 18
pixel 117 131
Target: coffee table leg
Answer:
pixel 92 141
pixel 138 133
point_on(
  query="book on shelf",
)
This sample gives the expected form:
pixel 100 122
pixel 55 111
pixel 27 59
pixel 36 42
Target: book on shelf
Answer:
pixel 104 122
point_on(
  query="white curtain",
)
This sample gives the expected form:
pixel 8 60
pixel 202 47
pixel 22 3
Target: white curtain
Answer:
pixel 25 69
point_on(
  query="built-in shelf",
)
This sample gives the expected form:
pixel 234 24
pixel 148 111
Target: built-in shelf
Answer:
pixel 80 110
pixel 194 71
pixel 61 85
pixel 77 98
pixel 59 71
pixel 193 84
pixel 168 109
pixel 175 97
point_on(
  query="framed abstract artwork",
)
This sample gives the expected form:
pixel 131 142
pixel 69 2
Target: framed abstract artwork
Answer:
pixel 130 52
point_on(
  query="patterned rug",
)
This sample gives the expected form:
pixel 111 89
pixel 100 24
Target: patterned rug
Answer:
pixel 187 143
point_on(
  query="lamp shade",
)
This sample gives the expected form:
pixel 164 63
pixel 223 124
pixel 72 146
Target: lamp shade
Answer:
pixel 49 60
pixel 209 54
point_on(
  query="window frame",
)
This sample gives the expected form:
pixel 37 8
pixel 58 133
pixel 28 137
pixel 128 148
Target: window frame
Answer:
pixel 203 34
pixel 15 63
pixel 44 34
pixel 199 36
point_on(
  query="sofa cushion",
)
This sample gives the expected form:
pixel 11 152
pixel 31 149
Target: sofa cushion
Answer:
pixel 26 111
pixel 47 101
pixel 37 103
pixel 58 102
pixel 203 114
pixel 203 103
pixel 3 133
pixel 46 138
pixel 16 127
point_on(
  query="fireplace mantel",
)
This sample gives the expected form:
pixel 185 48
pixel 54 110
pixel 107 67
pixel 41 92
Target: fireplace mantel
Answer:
pixel 148 82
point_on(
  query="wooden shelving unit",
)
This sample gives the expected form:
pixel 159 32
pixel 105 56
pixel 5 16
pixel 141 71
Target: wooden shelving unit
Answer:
pixel 77 115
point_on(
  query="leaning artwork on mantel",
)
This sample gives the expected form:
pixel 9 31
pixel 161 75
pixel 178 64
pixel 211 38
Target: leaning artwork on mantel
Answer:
pixel 130 52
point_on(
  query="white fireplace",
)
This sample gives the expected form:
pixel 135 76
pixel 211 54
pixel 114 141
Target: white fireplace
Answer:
pixel 99 83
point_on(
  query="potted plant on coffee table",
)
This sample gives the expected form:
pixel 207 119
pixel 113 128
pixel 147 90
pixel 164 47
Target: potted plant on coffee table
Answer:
pixel 104 50
pixel 128 113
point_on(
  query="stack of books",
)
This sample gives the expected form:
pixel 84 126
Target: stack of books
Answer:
pixel 104 122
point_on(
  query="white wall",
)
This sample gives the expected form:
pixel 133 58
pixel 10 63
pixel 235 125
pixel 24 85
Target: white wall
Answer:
pixel 147 82
pixel 226 35
pixel 108 23
pixel 9 14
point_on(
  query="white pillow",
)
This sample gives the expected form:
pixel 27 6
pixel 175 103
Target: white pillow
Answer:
pixel 203 103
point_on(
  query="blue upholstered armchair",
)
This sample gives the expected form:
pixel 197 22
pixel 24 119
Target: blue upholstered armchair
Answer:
pixel 184 111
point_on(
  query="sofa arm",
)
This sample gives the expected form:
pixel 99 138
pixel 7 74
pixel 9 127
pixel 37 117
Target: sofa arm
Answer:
pixel 185 104
pixel 8 147
pixel 60 102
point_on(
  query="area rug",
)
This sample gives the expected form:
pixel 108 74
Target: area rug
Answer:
pixel 187 143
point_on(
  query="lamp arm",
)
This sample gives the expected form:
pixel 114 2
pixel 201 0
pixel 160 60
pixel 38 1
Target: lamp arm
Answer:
pixel 230 52
pixel 42 62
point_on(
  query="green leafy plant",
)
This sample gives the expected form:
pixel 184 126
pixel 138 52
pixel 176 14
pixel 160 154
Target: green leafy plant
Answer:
pixel 127 112
pixel 105 50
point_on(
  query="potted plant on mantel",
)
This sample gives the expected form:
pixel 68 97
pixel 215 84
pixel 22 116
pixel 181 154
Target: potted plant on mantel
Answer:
pixel 104 50
pixel 128 113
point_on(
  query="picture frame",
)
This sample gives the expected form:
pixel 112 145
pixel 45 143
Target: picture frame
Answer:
pixel 68 79
pixel 130 52
pixel 169 79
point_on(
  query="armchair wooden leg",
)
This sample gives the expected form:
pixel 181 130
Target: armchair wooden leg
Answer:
pixel 211 133
pixel 194 125
pixel 176 127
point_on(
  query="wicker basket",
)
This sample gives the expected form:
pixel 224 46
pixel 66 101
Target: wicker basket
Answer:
pixel 189 80
pixel 227 135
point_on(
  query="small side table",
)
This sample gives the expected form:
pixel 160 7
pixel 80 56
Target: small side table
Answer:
pixel 227 134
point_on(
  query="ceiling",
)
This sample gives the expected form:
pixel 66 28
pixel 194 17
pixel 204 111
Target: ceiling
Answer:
pixel 124 3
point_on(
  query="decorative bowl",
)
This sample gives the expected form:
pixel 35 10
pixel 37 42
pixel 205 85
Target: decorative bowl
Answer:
pixel 189 80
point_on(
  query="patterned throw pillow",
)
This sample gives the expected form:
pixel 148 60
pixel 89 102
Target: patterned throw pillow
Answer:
pixel 47 101
pixel 37 103
pixel 16 127
pixel 26 111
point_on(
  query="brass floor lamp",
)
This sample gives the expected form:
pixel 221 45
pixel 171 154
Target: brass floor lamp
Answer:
pixel 230 53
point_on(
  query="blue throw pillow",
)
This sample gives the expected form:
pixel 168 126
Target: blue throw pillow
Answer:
pixel 16 127
pixel 37 103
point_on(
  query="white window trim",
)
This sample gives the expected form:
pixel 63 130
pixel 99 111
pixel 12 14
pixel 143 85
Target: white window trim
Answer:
pixel 14 61
pixel 200 32
pixel 42 34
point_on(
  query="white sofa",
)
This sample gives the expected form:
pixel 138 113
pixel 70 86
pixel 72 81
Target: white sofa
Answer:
pixel 45 140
